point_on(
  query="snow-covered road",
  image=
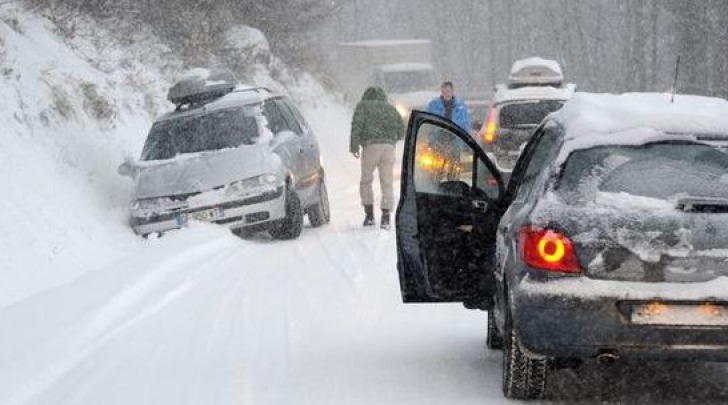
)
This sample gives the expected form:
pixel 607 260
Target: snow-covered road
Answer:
pixel 203 317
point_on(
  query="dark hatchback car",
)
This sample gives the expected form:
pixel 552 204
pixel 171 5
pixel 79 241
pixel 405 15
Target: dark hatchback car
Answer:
pixel 610 240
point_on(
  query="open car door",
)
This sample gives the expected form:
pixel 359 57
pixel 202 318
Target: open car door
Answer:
pixel 449 208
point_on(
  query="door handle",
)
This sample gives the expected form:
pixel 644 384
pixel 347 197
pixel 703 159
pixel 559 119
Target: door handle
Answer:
pixel 480 205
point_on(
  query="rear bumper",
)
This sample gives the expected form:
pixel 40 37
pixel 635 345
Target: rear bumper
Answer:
pixel 590 317
pixel 250 211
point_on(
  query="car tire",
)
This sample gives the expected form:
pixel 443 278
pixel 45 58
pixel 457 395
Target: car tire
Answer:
pixel 493 338
pixel 524 375
pixel 244 233
pixel 320 214
pixel 291 226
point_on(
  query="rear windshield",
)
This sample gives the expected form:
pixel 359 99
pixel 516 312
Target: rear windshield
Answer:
pixel 228 128
pixel 528 113
pixel 660 170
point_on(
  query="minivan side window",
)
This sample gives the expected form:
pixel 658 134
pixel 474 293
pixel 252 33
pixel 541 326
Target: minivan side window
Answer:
pixel 288 116
pixel 276 122
pixel 298 115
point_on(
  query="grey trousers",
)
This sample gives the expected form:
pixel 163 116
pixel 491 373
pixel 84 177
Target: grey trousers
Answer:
pixel 379 156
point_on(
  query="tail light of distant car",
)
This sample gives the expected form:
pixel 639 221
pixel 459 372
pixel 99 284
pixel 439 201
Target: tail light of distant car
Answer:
pixel 434 162
pixel 548 250
pixel 491 126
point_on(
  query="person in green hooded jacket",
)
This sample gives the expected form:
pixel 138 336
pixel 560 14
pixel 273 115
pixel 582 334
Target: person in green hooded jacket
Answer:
pixel 375 129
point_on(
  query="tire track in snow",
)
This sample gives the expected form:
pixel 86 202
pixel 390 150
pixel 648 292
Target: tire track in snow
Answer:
pixel 109 321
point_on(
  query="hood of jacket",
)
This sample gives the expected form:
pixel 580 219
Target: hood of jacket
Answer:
pixel 374 94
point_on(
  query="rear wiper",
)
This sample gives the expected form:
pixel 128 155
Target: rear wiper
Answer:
pixel 702 204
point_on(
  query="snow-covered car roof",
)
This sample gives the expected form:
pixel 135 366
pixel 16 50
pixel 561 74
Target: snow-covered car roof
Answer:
pixel 588 113
pixel 504 94
pixel 535 70
pixel 243 94
pixel 591 120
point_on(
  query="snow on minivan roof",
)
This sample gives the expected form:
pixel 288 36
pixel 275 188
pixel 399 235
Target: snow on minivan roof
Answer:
pixel 588 113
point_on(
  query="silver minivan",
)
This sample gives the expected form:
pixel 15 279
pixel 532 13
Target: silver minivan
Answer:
pixel 239 156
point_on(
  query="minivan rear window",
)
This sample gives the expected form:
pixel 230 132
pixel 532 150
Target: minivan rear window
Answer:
pixel 526 113
pixel 227 128
pixel 665 170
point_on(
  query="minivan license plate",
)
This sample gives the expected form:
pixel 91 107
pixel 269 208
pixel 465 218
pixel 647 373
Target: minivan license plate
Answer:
pixel 205 215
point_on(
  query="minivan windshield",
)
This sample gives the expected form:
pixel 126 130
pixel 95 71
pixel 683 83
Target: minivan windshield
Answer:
pixel 408 81
pixel 219 129
pixel 526 113
pixel 657 170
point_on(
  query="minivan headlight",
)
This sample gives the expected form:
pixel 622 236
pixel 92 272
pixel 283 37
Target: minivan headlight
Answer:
pixel 253 185
pixel 150 203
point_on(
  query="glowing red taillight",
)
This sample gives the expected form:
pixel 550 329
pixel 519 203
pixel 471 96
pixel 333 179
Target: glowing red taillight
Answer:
pixel 491 126
pixel 548 250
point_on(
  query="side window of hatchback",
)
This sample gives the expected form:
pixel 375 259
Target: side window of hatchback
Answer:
pixel 542 155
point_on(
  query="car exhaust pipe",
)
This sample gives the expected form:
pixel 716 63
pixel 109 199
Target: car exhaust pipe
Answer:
pixel 607 357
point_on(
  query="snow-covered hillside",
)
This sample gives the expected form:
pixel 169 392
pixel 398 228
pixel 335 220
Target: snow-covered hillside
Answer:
pixel 69 113
pixel 71 110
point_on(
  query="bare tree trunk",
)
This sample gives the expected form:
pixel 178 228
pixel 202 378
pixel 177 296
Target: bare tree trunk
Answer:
pixel 654 33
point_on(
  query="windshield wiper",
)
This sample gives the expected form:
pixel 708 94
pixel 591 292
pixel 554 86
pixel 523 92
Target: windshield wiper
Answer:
pixel 702 204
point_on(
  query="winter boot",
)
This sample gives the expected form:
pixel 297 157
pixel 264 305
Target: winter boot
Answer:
pixel 369 218
pixel 385 219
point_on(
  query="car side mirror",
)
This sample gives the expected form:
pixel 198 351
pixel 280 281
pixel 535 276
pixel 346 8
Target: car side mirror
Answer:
pixel 128 168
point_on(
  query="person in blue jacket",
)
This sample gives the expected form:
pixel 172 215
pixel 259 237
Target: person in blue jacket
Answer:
pixel 450 106
pixel 453 108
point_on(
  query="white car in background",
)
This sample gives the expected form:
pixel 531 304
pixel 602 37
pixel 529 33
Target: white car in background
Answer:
pixel 535 88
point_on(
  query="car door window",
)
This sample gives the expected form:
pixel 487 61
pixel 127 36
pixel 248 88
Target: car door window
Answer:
pixel 542 154
pixel 441 157
pixel 445 164
pixel 276 121
pixel 290 119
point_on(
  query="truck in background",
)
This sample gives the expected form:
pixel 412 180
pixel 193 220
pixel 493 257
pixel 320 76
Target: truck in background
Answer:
pixel 403 68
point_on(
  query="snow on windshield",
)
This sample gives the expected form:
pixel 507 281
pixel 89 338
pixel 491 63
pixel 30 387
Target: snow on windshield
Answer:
pixel 657 171
pixel 221 129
